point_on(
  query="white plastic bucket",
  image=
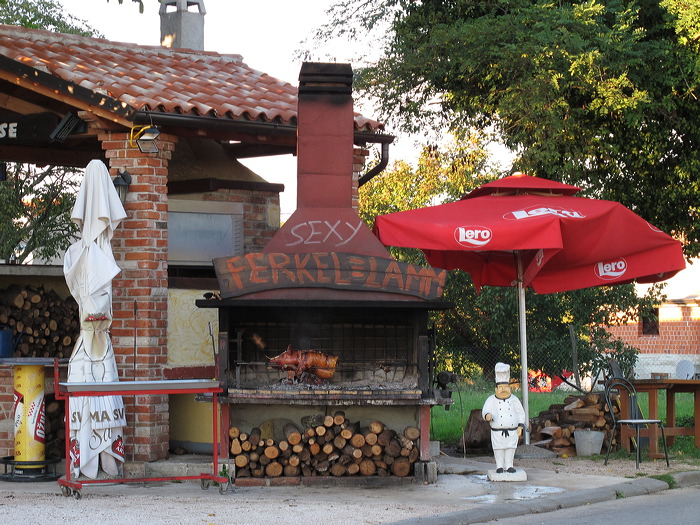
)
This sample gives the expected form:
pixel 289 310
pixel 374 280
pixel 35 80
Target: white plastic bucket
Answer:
pixel 588 442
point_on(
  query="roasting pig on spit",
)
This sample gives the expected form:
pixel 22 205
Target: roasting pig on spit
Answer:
pixel 301 364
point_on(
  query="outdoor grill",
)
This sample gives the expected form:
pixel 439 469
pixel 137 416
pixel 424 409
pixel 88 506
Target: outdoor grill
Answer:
pixel 323 317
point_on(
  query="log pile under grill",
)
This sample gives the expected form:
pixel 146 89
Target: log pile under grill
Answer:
pixel 47 325
pixel 325 446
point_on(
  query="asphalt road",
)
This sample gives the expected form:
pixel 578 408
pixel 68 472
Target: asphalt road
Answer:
pixel 678 506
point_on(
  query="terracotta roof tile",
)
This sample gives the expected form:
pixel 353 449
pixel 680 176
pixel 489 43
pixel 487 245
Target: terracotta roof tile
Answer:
pixel 160 79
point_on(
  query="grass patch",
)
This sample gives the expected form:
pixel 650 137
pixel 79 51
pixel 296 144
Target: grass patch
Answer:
pixel 666 478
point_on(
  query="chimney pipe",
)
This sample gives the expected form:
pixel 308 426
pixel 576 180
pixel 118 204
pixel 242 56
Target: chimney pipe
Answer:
pixel 325 220
pixel 325 127
pixel 181 28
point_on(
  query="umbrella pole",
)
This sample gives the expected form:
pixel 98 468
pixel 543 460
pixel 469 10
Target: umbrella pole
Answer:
pixel 523 348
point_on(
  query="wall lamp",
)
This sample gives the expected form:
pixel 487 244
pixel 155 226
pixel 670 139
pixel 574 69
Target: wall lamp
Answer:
pixel 121 183
pixel 145 138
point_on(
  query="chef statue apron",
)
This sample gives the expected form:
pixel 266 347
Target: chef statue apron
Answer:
pixel 507 419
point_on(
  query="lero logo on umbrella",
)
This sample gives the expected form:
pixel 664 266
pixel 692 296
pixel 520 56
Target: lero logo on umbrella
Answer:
pixel 538 211
pixel 611 270
pixel 473 236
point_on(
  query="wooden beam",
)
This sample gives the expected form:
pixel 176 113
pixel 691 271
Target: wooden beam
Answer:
pixel 244 150
pixel 17 105
pixel 49 156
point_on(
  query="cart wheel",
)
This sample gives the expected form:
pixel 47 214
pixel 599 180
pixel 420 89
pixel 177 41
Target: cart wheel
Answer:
pixel 77 494
pixel 223 487
pixel 65 491
pixel 205 484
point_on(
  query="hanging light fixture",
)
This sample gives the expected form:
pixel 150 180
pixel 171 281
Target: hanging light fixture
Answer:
pixel 145 138
pixel 121 183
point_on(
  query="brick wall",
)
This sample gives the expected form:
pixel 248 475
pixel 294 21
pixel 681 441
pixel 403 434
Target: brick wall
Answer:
pixel 140 297
pixel 678 339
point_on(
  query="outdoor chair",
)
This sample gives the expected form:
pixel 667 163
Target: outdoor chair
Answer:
pixel 622 387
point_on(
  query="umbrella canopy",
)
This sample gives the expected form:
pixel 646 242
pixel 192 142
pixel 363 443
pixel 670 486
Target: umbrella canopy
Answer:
pixel 529 232
pixel 96 438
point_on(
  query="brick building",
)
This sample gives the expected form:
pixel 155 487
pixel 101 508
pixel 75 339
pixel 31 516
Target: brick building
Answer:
pixel 211 110
pixel 675 338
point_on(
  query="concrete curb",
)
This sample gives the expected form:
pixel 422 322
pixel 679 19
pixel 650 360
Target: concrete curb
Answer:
pixel 487 513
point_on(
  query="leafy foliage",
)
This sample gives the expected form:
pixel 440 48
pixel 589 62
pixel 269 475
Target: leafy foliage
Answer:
pixel 35 203
pixel 43 14
pixel 598 94
pixel 36 206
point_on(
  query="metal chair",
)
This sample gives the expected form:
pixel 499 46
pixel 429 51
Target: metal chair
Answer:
pixel 620 385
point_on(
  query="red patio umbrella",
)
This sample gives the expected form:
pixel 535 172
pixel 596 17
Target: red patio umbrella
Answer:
pixel 525 231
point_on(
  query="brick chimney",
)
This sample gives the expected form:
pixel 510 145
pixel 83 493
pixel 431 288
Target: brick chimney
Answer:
pixel 181 28
pixel 325 220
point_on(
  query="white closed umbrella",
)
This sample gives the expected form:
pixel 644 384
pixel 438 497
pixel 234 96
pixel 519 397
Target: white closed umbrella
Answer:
pixel 97 423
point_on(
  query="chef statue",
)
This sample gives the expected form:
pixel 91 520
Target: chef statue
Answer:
pixel 505 414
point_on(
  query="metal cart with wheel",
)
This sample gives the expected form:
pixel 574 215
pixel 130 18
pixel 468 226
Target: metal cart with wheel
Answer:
pixel 65 391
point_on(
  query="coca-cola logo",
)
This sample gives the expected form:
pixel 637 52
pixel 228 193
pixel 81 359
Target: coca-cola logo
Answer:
pixel 611 270
pixel 473 236
pixel 539 211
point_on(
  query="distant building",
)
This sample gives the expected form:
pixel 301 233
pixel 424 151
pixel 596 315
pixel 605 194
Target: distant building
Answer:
pixel 670 344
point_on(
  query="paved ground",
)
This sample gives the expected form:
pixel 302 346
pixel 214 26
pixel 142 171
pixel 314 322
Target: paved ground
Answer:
pixel 462 494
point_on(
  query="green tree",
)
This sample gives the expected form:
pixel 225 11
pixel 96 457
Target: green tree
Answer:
pixel 36 206
pixel 35 203
pixel 598 94
pixel 43 14
pixel 482 328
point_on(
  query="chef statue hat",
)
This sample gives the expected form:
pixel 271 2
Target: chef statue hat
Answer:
pixel 502 373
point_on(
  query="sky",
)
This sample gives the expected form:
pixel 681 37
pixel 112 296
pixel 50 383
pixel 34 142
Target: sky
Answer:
pixel 265 32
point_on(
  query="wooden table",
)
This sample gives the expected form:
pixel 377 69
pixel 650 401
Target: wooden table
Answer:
pixel 672 387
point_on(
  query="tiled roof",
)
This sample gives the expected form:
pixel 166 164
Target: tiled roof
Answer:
pixel 149 78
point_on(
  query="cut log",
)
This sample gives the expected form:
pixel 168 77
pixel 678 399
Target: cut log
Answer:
pixel 367 467
pixel 339 417
pixel 274 469
pixel 385 437
pixel 338 469
pixel 401 467
pixel 412 433
pixel 477 433
pixel 272 451
pixel 376 427
pixel 357 440
pixel 553 431
pixel 241 460
pixel 291 471
pixel 254 436
pixel 292 433
pixel 370 438
pixel 577 403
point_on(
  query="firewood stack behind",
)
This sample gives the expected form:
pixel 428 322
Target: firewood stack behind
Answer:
pixel 325 446
pixel 554 428
pixel 48 324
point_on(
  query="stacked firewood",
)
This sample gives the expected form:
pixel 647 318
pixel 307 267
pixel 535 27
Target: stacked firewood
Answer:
pixel 325 446
pixel 554 428
pixel 46 324
pixel 54 428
